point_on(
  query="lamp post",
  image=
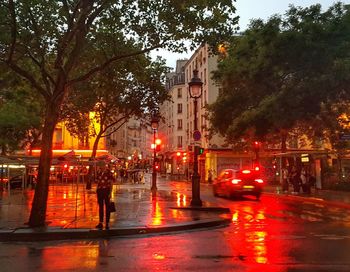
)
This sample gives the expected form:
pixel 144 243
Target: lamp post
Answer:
pixel 154 125
pixel 195 91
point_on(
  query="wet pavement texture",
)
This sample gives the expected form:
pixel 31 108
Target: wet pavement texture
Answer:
pixel 71 206
pixel 74 210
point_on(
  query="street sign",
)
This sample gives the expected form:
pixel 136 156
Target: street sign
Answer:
pixel 196 135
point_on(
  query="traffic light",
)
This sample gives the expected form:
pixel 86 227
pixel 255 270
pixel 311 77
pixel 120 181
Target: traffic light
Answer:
pixel 256 146
pixel 198 150
pixel 158 142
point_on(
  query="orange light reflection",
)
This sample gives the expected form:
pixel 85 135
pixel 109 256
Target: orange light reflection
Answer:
pixel 157 214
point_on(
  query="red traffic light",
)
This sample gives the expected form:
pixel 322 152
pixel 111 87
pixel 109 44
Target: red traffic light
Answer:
pixel 158 141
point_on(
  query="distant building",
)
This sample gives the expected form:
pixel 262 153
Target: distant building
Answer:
pixel 132 141
pixel 172 130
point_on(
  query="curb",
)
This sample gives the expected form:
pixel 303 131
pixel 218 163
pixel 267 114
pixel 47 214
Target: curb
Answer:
pixel 33 235
pixel 204 209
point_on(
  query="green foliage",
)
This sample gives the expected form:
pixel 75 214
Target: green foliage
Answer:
pixel 20 113
pixel 280 73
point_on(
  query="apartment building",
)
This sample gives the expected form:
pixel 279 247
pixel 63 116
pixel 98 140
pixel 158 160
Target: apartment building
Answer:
pixel 172 128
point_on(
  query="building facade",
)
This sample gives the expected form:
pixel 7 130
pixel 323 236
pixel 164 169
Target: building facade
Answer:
pixel 172 128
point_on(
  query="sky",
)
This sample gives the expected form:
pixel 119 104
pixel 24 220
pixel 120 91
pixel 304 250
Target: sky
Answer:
pixel 253 9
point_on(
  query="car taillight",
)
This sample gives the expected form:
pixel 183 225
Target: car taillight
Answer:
pixel 259 180
pixel 236 181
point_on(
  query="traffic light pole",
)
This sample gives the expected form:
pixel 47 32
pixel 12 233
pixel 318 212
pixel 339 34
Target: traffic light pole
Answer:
pixel 154 171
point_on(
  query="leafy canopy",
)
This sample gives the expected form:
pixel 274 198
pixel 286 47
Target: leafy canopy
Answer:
pixel 280 72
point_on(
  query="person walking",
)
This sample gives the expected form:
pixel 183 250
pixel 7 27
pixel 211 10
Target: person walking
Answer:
pixel 104 189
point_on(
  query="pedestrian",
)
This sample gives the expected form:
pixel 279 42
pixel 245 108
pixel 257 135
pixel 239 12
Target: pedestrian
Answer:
pixel 285 181
pixel 295 179
pixel 210 176
pixel 305 181
pixel 104 189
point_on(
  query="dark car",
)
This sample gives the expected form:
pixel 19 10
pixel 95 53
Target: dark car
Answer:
pixel 236 183
pixel 16 182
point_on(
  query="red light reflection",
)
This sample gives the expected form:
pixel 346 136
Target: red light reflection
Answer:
pixel 257 230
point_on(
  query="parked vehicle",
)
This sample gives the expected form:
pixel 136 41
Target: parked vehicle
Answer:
pixel 233 183
pixel 16 182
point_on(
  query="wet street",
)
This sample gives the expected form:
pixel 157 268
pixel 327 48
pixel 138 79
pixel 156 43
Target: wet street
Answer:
pixel 274 234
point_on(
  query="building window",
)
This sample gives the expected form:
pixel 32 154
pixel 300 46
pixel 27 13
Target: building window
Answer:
pixel 179 93
pixel 179 108
pixel 179 141
pixel 179 124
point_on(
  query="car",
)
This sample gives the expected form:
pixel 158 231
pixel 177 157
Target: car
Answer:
pixel 16 182
pixel 234 183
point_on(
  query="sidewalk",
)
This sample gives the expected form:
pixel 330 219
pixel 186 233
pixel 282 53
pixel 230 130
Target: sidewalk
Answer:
pixel 72 213
pixel 339 199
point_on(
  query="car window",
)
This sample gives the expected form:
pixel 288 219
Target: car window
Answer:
pixel 225 174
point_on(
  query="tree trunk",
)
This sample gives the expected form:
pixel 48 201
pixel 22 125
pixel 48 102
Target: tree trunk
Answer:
pixel 3 150
pixel 92 158
pixel 95 146
pixel 38 211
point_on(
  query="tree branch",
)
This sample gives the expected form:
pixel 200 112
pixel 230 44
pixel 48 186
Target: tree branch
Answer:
pixel 108 62
pixel 30 78
pixel 93 16
pixel 115 129
pixel 13 31
pixel 69 35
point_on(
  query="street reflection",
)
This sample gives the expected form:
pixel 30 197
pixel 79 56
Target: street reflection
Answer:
pixel 256 225
pixel 69 257
pixel 181 200
pixel 156 214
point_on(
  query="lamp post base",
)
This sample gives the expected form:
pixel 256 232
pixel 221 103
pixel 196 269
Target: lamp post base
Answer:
pixel 154 181
pixel 196 199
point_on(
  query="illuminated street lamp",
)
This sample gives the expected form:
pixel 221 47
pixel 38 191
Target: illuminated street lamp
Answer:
pixel 195 91
pixel 154 125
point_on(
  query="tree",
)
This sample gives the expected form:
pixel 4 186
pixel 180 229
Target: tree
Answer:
pixel 281 72
pixel 20 113
pixel 127 89
pixel 50 37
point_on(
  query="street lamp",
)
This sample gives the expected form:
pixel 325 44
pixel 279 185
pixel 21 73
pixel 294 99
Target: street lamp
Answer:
pixel 195 91
pixel 154 125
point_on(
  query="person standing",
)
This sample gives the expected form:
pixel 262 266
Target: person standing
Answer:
pixel 295 179
pixel 210 176
pixel 285 181
pixel 104 189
